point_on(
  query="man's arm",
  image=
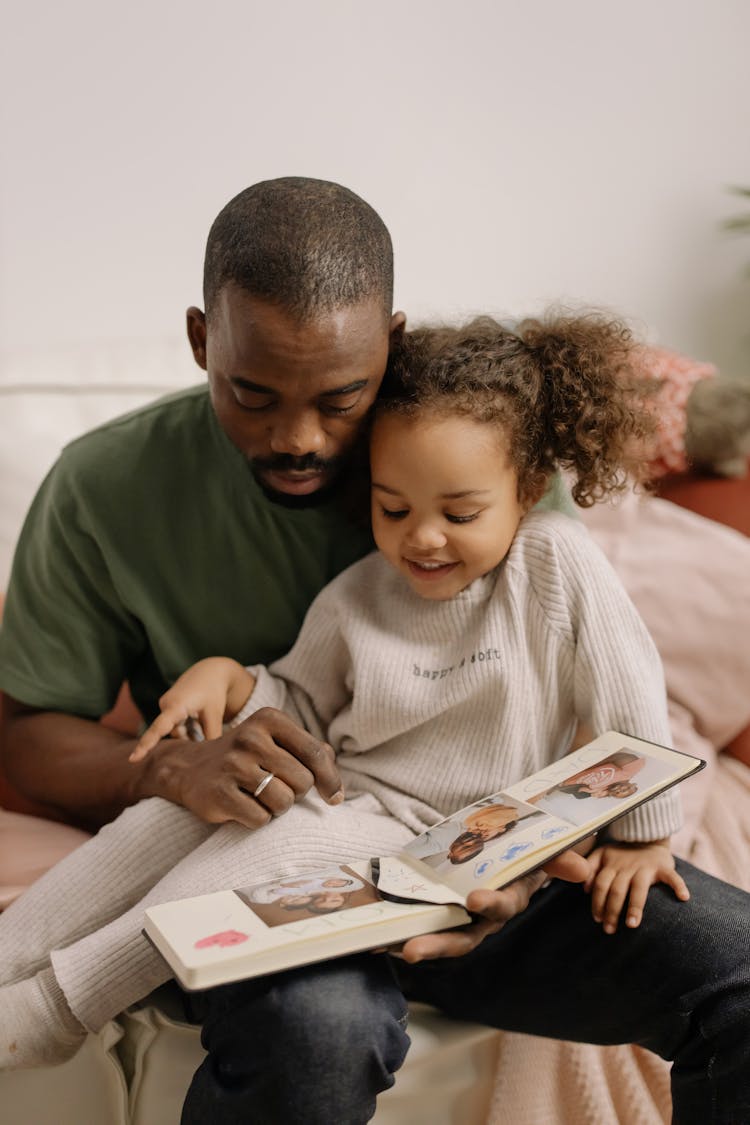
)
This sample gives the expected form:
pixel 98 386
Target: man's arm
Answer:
pixel 80 769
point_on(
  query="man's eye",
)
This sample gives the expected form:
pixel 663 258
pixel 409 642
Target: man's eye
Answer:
pixel 345 406
pixel 259 403
pixel 394 514
pixel 336 410
pixel 462 519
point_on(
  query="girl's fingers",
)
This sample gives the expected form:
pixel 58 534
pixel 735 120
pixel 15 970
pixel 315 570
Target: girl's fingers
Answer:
pixel 615 901
pixel 212 722
pixel 162 725
pixel 600 892
pixel 676 882
pixel 639 889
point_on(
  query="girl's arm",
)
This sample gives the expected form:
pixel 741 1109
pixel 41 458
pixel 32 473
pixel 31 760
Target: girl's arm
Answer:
pixel 211 692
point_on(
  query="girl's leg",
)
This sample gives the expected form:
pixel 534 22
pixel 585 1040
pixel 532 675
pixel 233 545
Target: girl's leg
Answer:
pixel 108 970
pixel 95 883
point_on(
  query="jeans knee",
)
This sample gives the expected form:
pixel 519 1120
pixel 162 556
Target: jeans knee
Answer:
pixel 355 1014
pixel 313 1045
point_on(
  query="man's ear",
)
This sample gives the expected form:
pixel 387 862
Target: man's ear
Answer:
pixel 196 330
pixel 397 326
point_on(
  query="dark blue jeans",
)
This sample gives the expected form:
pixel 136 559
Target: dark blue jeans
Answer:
pixel 317 1045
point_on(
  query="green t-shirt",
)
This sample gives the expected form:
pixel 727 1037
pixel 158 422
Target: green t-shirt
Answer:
pixel 150 546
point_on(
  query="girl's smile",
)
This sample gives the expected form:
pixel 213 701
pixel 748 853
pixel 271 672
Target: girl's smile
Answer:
pixel 445 502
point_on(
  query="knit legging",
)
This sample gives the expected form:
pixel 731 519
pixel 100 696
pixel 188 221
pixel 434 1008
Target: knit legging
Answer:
pixel 86 914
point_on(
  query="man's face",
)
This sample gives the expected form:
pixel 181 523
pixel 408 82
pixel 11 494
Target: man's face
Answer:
pixel 291 396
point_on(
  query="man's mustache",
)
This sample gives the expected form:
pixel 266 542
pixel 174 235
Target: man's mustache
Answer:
pixel 287 463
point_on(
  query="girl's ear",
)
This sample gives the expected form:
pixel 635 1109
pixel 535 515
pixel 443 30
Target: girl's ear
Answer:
pixel 534 497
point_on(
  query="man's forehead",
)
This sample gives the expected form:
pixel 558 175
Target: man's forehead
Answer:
pixel 244 314
pixel 267 345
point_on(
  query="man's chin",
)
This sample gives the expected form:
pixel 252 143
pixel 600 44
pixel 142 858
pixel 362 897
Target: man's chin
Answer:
pixel 295 499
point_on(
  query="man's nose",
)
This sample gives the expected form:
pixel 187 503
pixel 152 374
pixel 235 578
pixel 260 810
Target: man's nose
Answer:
pixel 297 435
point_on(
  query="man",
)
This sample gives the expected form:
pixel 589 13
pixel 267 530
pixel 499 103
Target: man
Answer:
pixel 205 524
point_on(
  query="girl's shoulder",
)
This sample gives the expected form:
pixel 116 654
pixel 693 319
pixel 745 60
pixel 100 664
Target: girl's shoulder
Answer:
pixel 556 556
pixel 546 534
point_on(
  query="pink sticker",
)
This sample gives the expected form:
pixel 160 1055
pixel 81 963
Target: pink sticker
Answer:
pixel 226 937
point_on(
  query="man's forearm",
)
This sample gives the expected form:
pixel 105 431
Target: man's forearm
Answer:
pixel 81 770
pixel 76 767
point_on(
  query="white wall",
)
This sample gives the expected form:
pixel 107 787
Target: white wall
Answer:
pixel 519 152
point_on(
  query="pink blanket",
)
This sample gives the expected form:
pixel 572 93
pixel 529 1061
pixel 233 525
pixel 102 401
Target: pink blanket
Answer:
pixel 689 578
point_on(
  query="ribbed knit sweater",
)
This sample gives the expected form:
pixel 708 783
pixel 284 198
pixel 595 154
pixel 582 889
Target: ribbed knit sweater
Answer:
pixel 431 705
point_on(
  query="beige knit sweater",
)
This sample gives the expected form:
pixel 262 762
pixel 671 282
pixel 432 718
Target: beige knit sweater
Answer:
pixel 431 705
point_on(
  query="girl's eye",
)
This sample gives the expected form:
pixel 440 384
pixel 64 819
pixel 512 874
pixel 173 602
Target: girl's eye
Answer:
pixel 390 514
pixel 462 519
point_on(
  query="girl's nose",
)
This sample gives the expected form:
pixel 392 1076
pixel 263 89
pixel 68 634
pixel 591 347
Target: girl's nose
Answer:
pixel 425 536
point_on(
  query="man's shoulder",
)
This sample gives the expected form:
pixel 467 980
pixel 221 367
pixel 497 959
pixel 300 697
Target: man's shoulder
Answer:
pixel 180 418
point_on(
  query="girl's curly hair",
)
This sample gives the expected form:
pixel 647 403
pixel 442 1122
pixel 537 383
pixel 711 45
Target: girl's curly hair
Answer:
pixel 566 390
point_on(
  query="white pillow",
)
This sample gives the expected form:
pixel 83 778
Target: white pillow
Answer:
pixel 49 398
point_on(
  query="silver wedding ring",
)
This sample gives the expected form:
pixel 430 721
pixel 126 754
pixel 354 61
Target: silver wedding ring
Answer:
pixel 262 784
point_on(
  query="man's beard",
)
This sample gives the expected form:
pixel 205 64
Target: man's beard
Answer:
pixel 286 463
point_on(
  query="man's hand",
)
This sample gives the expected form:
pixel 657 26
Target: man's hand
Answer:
pixel 225 778
pixel 496 908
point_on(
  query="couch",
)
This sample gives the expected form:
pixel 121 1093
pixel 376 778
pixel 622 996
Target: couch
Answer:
pixel 688 576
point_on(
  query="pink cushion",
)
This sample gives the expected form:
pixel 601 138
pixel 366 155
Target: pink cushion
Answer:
pixel 688 577
pixel 28 847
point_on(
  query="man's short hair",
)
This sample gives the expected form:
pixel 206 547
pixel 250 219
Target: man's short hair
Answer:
pixel 310 246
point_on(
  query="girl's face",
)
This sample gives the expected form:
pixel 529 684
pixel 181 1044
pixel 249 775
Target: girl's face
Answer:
pixel 444 500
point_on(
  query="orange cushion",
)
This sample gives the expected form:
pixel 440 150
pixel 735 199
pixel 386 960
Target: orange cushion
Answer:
pixel 726 500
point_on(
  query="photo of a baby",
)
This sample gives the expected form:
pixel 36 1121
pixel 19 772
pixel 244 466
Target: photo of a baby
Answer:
pixel 465 835
pixel 309 896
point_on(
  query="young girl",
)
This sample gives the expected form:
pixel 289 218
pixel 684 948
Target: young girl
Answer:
pixel 453 661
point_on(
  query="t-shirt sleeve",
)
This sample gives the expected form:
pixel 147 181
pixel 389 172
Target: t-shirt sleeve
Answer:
pixel 618 676
pixel 312 683
pixel 66 640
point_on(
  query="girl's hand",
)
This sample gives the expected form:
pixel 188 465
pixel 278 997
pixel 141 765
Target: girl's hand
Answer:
pixel 210 691
pixel 623 872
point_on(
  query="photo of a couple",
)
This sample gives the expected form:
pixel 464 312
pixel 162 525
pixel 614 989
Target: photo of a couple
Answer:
pixel 618 776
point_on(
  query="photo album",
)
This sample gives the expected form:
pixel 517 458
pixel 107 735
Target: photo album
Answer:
pixel 354 906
